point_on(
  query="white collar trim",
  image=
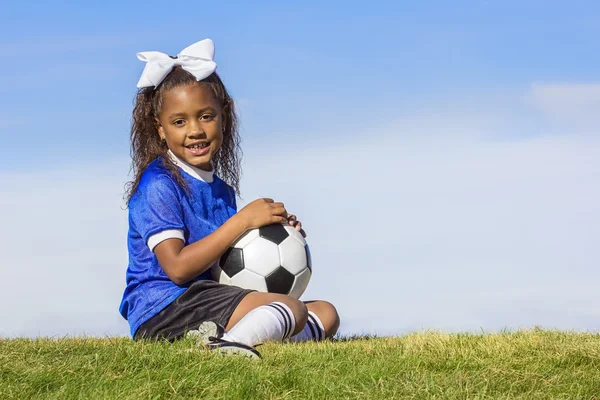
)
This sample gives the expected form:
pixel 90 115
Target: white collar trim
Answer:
pixel 195 172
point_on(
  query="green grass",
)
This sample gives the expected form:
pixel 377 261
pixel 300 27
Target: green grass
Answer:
pixel 523 365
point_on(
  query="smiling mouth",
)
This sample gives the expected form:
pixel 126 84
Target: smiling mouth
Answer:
pixel 197 146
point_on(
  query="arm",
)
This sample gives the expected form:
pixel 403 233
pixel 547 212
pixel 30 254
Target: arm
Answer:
pixel 183 263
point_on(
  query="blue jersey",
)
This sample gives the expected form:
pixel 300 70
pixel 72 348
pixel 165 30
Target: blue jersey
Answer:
pixel 161 209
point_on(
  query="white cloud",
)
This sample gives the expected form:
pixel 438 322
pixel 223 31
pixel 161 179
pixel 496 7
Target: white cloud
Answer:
pixel 421 225
pixel 450 236
pixel 64 251
pixel 572 103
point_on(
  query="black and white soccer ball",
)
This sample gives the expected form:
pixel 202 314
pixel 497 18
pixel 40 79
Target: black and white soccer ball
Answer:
pixel 272 259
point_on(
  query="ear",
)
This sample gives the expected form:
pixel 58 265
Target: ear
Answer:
pixel 160 129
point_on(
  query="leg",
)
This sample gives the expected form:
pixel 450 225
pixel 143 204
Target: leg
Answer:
pixel 260 317
pixel 323 322
pixel 256 299
pixel 327 314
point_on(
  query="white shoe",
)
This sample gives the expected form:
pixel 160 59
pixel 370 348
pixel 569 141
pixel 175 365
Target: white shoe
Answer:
pixel 210 335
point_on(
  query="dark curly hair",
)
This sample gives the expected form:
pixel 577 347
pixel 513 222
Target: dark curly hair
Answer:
pixel 146 144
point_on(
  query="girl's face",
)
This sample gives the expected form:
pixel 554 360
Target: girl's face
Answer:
pixel 191 122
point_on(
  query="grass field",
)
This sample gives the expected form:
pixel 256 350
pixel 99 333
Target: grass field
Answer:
pixel 532 364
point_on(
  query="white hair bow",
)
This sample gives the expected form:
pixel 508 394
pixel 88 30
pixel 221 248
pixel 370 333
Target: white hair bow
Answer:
pixel 196 59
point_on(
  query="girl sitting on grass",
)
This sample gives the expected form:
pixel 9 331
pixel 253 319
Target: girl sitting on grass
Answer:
pixel 182 217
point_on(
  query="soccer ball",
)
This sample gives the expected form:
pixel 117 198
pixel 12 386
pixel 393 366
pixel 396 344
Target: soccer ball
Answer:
pixel 273 259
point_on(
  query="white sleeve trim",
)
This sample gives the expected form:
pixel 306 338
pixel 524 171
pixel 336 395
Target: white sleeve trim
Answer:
pixel 155 239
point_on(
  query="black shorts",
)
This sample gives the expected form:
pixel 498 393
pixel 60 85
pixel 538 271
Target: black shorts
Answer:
pixel 204 300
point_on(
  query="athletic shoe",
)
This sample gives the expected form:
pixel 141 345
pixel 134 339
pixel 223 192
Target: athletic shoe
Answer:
pixel 210 335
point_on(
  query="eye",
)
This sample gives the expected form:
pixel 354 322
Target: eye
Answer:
pixel 179 122
pixel 207 117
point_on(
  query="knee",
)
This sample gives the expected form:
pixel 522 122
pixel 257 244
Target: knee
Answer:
pixel 328 315
pixel 300 313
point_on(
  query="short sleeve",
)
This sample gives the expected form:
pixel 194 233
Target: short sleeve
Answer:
pixel 233 199
pixel 155 211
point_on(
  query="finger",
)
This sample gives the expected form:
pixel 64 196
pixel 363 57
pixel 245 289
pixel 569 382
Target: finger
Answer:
pixel 298 226
pixel 277 204
pixel 268 200
pixel 279 220
pixel 281 211
pixel 292 217
pixel 302 232
pixel 278 216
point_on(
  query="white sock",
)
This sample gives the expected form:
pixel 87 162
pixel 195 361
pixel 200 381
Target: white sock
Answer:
pixel 313 330
pixel 273 321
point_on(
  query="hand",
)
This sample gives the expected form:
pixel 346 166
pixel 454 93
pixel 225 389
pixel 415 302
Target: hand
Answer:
pixel 263 212
pixel 293 221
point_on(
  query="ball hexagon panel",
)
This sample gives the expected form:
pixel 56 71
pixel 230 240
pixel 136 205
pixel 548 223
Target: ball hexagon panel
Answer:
pixel 262 256
pixel 232 261
pixel 292 255
pixel 300 283
pixel 276 233
pixel 246 238
pixel 249 280
pixel 280 281
pixel 295 234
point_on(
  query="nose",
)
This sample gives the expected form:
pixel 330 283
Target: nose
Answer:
pixel 196 129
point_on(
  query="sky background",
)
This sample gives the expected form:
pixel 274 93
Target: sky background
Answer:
pixel 444 157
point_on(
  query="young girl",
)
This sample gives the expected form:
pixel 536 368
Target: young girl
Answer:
pixel 182 217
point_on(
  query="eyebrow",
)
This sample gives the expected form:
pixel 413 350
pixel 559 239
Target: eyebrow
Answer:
pixel 175 115
pixel 208 108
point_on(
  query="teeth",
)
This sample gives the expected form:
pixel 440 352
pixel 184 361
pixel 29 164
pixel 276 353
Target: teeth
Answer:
pixel 198 146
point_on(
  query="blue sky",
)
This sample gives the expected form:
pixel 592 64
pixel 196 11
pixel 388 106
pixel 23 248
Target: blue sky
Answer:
pixel 479 119
pixel 306 67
